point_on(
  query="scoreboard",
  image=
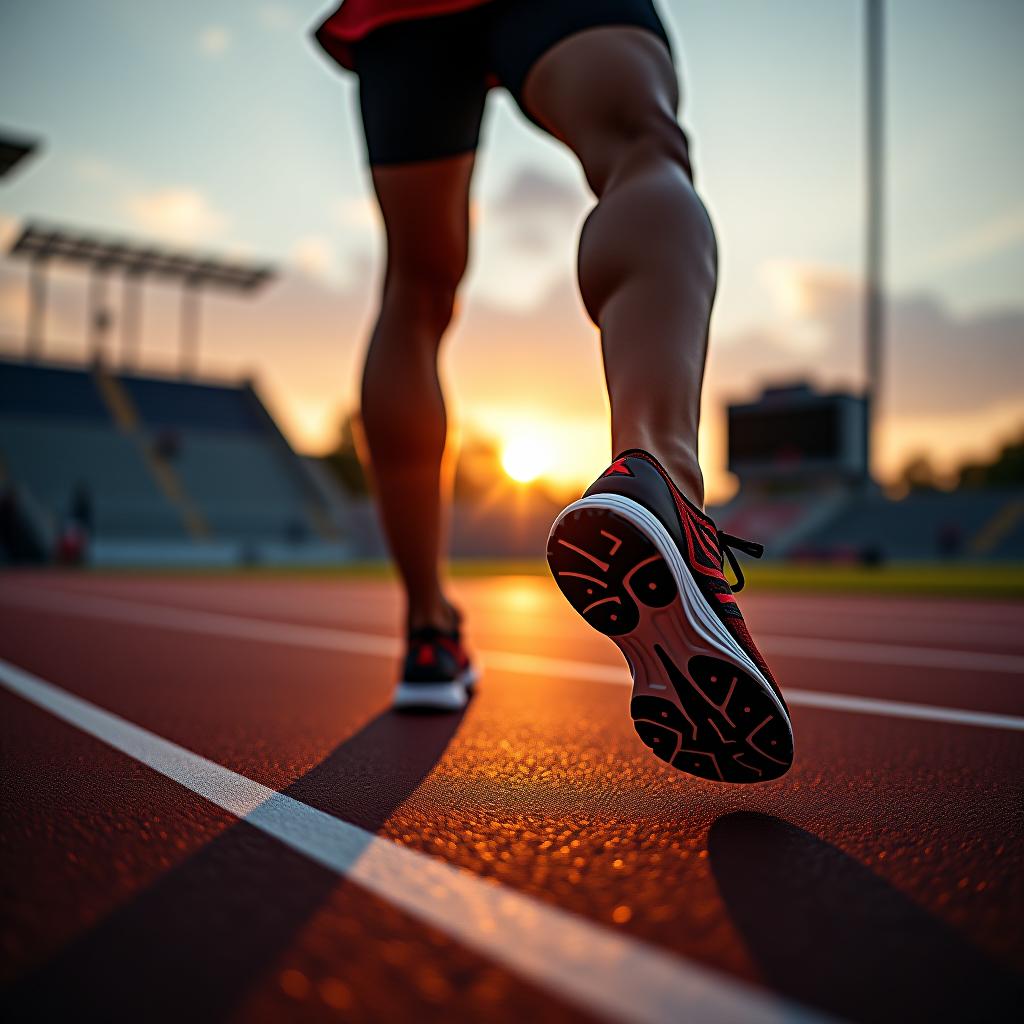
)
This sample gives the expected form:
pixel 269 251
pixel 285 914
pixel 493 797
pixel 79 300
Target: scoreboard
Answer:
pixel 798 434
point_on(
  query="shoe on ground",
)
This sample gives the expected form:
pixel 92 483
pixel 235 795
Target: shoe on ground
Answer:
pixel 645 566
pixel 437 674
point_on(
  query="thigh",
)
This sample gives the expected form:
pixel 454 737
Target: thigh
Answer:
pixel 524 31
pixel 422 87
pixel 593 75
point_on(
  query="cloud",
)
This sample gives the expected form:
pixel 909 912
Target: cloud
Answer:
pixel 275 16
pixel 9 229
pixel 535 191
pixel 354 212
pixel 934 361
pixel 941 362
pixel 536 209
pixel 802 290
pixel 982 242
pixel 214 40
pixel 180 214
pixel 315 256
pixel 95 170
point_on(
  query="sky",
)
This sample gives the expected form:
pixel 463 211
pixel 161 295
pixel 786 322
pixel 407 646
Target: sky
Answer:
pixel 219 125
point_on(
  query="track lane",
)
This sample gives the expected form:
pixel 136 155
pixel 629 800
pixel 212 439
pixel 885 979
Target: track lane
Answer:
pixel 532 607
pixel 860 669
pixel 514 779
pixel 138 900
pixel 961 968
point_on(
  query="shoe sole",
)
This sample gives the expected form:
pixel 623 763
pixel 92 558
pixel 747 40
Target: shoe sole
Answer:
pixel 451 696
pixel 699 701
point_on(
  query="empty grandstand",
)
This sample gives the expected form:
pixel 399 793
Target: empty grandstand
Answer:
pixel 154 469
pixel 921 527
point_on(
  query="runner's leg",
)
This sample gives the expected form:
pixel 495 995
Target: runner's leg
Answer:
pixel 648 258
pixel 425 207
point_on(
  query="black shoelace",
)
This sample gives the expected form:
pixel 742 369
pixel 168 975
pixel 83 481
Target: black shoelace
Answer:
pixel 726 541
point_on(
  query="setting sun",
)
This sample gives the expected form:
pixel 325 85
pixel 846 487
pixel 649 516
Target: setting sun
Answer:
pixel 523 459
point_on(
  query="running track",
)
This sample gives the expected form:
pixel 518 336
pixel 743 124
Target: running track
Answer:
pixel 209 814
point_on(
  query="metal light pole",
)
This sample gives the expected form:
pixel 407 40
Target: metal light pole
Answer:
pixel 131 315
pixel 874 312
pixel 36 307
pixel 189 350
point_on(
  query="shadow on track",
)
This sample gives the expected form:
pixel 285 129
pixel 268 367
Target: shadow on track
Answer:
pixel 192 945
pixel 827 931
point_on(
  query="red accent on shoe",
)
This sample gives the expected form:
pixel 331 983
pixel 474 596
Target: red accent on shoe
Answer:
pixel 701 535
pixel 738 628
pixel 461 658
pixel 425 655
pixel 618 467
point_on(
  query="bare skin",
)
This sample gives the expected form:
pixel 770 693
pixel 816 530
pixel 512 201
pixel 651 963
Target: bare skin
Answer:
pixel 647 274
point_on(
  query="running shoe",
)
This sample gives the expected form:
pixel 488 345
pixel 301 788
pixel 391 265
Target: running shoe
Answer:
pixel 437 674
pixel 645 566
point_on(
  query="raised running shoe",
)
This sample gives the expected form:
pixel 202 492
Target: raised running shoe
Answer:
pixel 645 566
pixel 437 674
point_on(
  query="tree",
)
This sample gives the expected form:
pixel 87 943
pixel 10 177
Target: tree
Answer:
pixel 1005 470
pixel 344 461
pixel 918 475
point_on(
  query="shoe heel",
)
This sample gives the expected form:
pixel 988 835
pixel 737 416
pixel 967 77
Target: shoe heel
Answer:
pixel 605 566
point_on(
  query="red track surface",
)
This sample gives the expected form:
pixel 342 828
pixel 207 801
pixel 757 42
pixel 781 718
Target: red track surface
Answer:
pixel 881 879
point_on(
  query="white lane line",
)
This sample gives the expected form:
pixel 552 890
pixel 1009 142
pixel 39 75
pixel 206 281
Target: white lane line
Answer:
pixel 902 709
pixel 323 638
pixel 891 654
pixel 606 973
pixel 528 664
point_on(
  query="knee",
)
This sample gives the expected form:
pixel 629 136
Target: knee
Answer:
pixel 648 139
pixel 422 297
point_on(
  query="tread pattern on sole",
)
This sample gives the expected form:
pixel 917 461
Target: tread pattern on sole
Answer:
pixel 721 725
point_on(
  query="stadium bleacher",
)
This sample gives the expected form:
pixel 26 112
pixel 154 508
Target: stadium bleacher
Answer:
pixel 48 392
pixel 53 458
pixel 922 526
pixel 177 404
pixel 157 463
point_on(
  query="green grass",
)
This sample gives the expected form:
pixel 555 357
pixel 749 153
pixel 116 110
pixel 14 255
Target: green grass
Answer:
pixel 977 580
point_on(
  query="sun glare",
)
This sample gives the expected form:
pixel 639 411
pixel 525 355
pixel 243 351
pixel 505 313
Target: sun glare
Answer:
pixel 523 459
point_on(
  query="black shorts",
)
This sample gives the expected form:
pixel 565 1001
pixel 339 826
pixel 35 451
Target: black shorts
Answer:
pixel 422 83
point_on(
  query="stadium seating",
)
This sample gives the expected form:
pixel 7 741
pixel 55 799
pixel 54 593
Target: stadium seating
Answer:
pixel 921 526
pixel 258 495
pixel 53 458
pixel 158 460
pixel 48 392
pixel 185 405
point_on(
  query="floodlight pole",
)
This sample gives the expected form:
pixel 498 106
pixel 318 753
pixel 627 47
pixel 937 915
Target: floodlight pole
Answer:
pixel 189 353
pixel 131 315
pixel 36 307
pixel 97 311
pixel 874 311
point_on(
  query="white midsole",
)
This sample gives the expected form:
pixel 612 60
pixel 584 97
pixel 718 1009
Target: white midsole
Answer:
pixel 699 613
pixel 436 695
